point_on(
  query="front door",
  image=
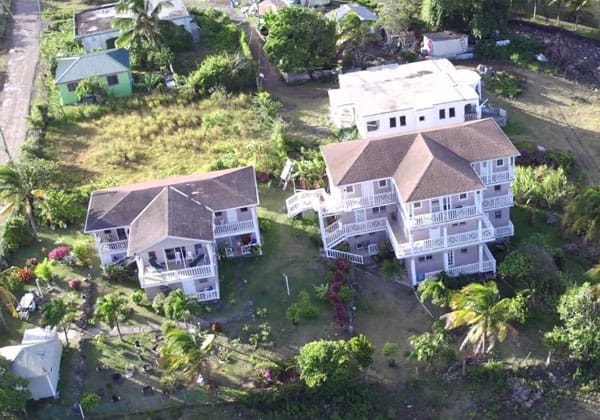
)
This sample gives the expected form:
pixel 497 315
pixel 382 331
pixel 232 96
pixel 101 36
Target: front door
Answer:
pixel 121 234
pixel 451 258
pixel 232 216
pixel 361 215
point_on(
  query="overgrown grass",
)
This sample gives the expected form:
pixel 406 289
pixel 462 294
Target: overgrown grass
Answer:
pixel 585 31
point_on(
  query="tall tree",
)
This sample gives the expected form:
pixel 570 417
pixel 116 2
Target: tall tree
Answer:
pixel 175 305
pixel 479 307
pixel 447 14
pixel 352 37
pixel 140 23
pixel 182 351
pixel 110 308
pixel 299 39
pixel 7 304
pixel 19 183
pixel 489 17
pixel 13 392
pixel 432 346
pixel 578 6
pixel 434 290
pixel 559 5
pixel 398 17
pixel 60 312
pixel 582 215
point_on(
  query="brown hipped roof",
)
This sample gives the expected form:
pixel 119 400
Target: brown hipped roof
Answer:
pixel 170 214
pixel 427 164
pixel 218 190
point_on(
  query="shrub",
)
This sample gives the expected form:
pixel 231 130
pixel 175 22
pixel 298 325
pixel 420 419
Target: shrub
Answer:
pixel 17 233
pixel 90 86
pixel 59 253
pixel 62 208
pixel 504 84
pixel 138 296
pixel 117 273
pixel 303 308
pixel 44 270
pixel 25 274
pixel 218 32
pixel 390 349
pixel 540 186
pixel 234 72
pixel 158 304
pixel 75 284
pixel 521 51
pixel 346 293
pixel 82 253
pixel 89 401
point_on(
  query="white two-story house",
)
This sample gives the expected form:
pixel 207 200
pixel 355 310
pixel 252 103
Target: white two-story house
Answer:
pixel 176 229
pixel 94 27
pixel 395 99
pixel 438 196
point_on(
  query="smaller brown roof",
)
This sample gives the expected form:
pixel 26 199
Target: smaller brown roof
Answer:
pixel 170 214
pixel 217 190
pixel 424 164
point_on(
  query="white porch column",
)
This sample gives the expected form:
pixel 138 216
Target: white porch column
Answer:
pixel 479 230
pixel 256 226
pixel 445 233
pixel 140 265
pixel 322 228
pixel 413 271
pixel 445 256
pixel 189 287
pixel 410 241
pixel 480 257
pixel 478 202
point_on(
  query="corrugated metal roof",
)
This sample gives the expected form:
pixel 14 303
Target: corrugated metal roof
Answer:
pixel 101 63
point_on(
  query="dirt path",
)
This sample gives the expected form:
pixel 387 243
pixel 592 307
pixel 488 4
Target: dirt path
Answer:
pixel 23 48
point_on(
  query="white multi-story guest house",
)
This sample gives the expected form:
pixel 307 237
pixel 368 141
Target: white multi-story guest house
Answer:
pixel 394 99
pixel 176 228
pixel 438 196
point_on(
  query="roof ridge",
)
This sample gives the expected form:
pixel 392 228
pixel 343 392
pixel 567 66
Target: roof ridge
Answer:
pixel 75 61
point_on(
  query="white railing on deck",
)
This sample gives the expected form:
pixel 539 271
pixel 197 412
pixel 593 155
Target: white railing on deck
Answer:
pixel 353 258
pixel 442 216
pixel 208 295
pixel 497 202
pixel 116 246
pixel 304 200
pixel 338 206
pixel 233 228
pixel 502 231
pixel 497 177
pixel 486 266
pixel 174 276
pixel 373 249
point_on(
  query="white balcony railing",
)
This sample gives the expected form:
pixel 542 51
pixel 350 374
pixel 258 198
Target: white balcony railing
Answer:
pixel 319 199
pixel 112 247
pixel 503 231
pixel 498 202
pixel 234 228
pixel 208 295
pixel 337 231
pixel 304 200
pixel 497 177
pixel 484 266
pixel 353 258
pixel 174 276
pixel 442 216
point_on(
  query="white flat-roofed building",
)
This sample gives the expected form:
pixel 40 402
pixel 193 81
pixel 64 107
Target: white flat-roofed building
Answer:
pixel 394 99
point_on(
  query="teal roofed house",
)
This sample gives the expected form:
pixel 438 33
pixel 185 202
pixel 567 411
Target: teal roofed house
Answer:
pixel 110 67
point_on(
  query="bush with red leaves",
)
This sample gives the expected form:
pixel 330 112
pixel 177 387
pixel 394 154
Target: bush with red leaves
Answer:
pixel 25 275
pixel 75 284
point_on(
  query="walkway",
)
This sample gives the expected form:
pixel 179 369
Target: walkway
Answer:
pixel 23 48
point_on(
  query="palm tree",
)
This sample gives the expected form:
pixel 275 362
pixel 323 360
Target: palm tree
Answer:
pixel 434 290
pixel 140 22
pixel 175 305
pixel 60 312
pixel 20 182
pixel 479 307
pixel 582 215
pixel 183 352
pixel 110 308
pixel 7 304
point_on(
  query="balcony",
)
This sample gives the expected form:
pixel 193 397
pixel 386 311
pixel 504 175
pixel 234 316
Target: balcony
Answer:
pixel 498 202
pixel 153 277
pixel 486 265
pixel 337 232
pixel 332 206
pixel 442 216
pixel 497 177
pixel 229 229
pixel 209 293
pixel 504 231
pixel 113 247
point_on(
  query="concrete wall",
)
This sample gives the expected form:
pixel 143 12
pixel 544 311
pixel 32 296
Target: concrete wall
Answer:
pixel 122 89
pixel 97 41
pixel 445 48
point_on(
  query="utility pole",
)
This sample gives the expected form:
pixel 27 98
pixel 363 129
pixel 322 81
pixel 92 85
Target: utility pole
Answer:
pixel 10 160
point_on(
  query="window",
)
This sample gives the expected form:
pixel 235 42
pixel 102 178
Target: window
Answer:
pixel 378 209
pixel 417 204
pixel 454 224
pixel 462 196
pixel 421 259
pixel 402 120
pixel 244 209
pixel 349 189
pixel 429 257
pixel 112 80
pixel 372 125
pixel 497 187
pixel 170 253
pixel 442 114
pixel 393 122
pixel 462 223
pixel 500 162
pixel 421 117
pixel 498 214
pixel 464 251
pixel 218 213
pixel 451 113
pixel 151 256
pixel 383 183
pixel 71 87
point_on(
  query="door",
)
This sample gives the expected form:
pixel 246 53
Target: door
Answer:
pixel 446 203
pixel 232 216
pixel 451 258
pixel 485 170
pixel 435 206
pixel 121 234
pixel 360 215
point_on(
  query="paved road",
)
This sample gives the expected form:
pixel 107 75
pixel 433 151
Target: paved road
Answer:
pixel 23 48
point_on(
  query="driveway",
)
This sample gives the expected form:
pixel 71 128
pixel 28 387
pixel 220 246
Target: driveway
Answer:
pixel 22 58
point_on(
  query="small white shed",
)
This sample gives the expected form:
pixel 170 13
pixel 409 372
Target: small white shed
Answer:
pixel 37 359
pixel 445 44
